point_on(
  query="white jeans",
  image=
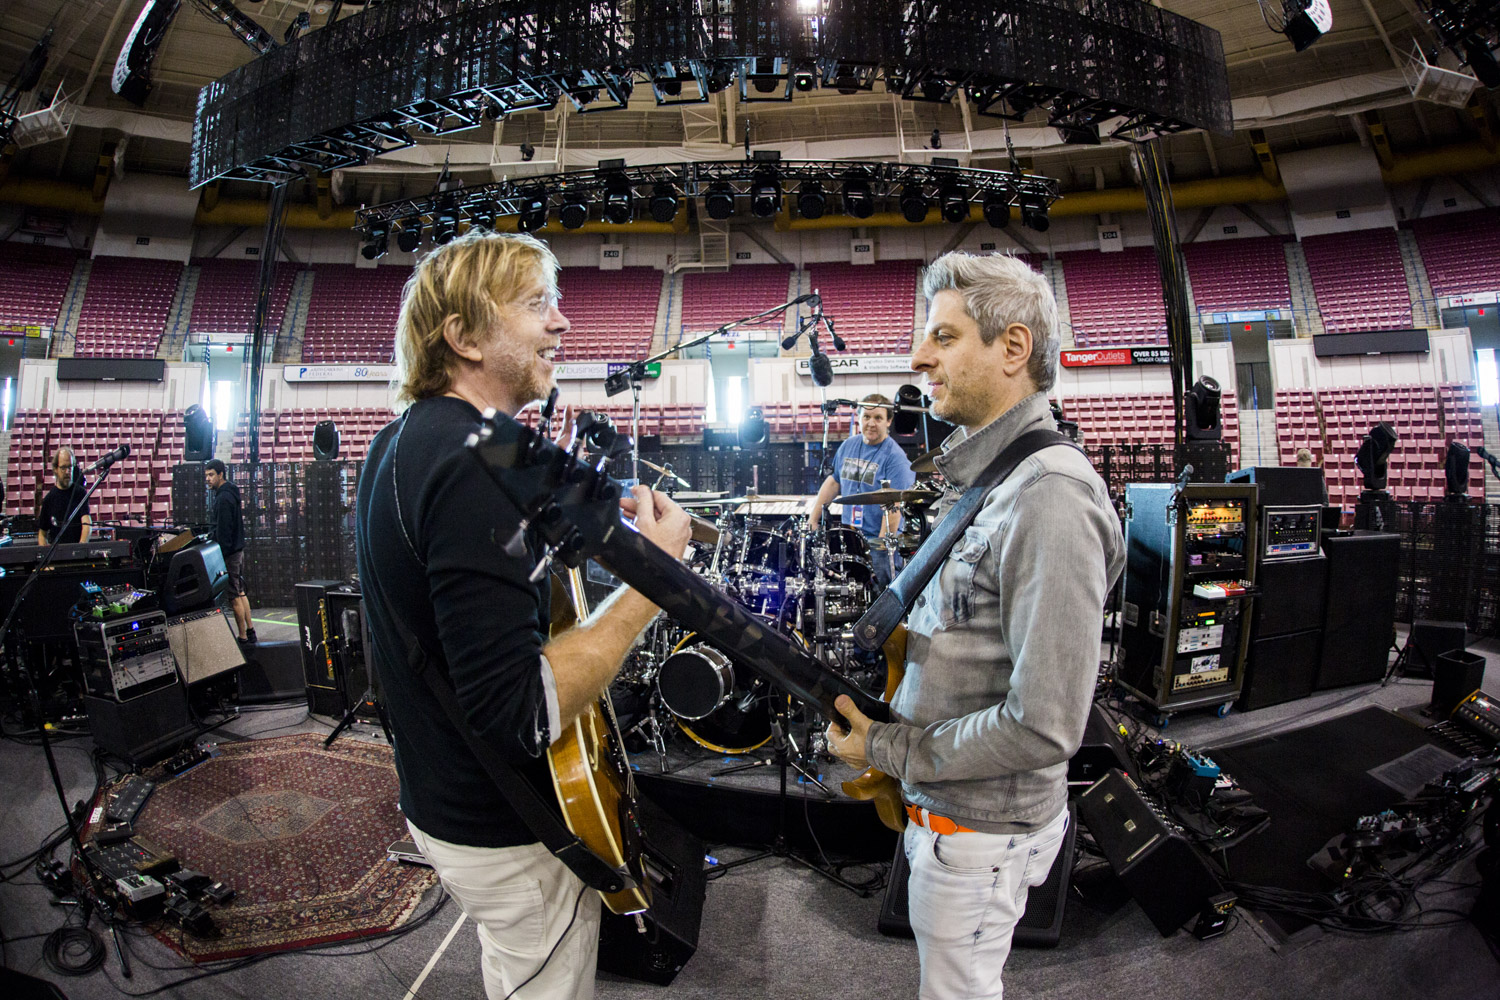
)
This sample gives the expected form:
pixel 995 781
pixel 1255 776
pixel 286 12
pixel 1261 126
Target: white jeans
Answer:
pixel 521 898
pixel 966 894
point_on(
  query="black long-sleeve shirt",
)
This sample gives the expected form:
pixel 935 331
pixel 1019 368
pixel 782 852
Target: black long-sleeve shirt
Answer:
pixel 432 531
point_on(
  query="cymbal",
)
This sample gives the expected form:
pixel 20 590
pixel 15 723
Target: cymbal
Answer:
pixel 923 464
pixel 704 531
pixel 888 498
pixel 665 472
pixel 701 500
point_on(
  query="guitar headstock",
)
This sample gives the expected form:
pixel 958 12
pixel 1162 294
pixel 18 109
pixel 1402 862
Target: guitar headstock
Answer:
pixel 571 505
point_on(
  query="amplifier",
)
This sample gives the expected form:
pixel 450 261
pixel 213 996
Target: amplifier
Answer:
pixel 203 644
pixel 1167 876
pixel 327 693
pixel 126 657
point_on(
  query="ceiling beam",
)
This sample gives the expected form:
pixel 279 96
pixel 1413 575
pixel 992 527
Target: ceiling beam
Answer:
pixel 1396 59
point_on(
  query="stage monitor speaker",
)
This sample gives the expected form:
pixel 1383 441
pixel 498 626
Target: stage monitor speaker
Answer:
pixel 674 867
pixel 1457 675
pixel 1360 611
pixel 142 730
pixel 195 578
pixel 1164 872
pixel 1280 668
pixel 1429 640
pixel 203 645
pixel 272 672
pixel 1283 485
pixel 1039 927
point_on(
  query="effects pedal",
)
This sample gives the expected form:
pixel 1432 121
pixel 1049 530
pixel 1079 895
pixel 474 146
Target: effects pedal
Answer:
pixel 185 760
pixel 190 916
pixel 116 834
pixel 196 885
pixel 127 800
pixel 138 888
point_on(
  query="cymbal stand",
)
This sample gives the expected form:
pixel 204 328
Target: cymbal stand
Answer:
pixel 780 848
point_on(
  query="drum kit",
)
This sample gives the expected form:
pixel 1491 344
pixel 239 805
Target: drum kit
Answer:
pixel 811 582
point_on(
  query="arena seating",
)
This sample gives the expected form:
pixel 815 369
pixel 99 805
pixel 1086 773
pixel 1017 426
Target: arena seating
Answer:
pixel 613 313
pixel 872 305
pixel 1141 418
pixel 35 279
pixel 287 435
pixel 1460 251
pixel 352 313
pixel 225 299
pixel 1114 298
pixel 131 491
pixel 125 306
pixel 1359 281
pixel 1238 275
pixel 711 299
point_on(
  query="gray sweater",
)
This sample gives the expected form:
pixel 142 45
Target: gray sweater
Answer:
pixel 1003 644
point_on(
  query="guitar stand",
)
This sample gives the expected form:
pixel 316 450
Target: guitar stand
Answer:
pixel 369 697
pixel 779 847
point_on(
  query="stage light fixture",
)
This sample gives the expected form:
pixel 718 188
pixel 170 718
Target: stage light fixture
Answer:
pixel 1201 411
pixel 1034 213
pixel 663 203
pixel 804 80
pixel 719 201
pixel 671 86
pixel 527 151
pixel 811 201
pixel 325 441
pixel 753 429
pixel 532 213
pixel 765 193
pixel 858 201
pixel 482 214
pixel 445 222
pixel 913 203
pixel 997 209
pixel 377 243
pixel 936 140
pixel 574 211
pixel 197 435
pixel 410 236
pixel 1374 453
pixel 1456 470
pixel 618 201
pixel 955 203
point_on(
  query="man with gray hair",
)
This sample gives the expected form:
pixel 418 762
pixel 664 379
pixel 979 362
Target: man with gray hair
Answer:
pixel 1003 643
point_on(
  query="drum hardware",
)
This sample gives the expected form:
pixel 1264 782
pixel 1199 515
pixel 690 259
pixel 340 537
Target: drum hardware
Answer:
pixel 665 472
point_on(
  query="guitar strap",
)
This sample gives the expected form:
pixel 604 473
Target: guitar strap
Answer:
pixel 877 624
pixel 539 815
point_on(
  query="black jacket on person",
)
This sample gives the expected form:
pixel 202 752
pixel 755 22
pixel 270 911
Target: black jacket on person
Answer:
pixel 432 529
pixel 229 524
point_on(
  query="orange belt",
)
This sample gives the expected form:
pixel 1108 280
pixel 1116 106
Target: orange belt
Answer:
pixel 937 824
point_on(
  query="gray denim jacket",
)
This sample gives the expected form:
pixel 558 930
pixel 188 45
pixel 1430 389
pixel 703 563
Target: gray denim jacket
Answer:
pixel 1003 644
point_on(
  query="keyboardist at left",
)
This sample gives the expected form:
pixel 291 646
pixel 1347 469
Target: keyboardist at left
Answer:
pixel 67 493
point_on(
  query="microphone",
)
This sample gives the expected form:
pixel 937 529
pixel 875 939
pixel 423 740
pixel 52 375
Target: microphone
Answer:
pixel 838 342
pixel 787 342
pixel 821 370
pixel 109 459
pixel 811 298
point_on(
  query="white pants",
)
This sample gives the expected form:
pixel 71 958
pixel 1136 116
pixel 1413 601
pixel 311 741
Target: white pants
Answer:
pixel 966 894
pixel 521 898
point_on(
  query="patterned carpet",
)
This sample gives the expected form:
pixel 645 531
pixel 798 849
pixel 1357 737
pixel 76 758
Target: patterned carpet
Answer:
pixel 299 832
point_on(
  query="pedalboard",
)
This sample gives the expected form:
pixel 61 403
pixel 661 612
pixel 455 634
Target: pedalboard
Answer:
pixel 128 798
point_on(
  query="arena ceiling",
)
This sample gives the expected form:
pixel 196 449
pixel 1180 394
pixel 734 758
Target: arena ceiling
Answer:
pixel 1324 95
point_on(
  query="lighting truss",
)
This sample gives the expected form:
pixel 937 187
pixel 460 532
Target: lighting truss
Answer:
pixel 364 85
pixel 481 204
pixel 1471 30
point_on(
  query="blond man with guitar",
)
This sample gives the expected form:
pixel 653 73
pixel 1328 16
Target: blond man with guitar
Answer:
pixel 447 575
pixel 1003 639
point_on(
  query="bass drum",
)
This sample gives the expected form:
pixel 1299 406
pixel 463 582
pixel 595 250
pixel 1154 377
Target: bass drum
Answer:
pixel 718 704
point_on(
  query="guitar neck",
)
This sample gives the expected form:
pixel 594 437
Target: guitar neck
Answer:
pixel 692 601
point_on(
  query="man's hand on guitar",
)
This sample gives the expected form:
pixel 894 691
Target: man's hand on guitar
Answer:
pixel 659 519
pixel 849 745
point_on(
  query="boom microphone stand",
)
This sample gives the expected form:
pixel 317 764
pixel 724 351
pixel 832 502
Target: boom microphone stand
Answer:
pixel 633 375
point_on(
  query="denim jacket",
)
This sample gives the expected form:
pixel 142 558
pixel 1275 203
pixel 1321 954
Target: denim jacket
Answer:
pixel 1003 644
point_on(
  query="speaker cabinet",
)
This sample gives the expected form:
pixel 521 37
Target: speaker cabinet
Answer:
pixel 674 867
pixel 1430 640
pixel 1039 927
pixel 1360 611
pixel 1167 876
pixel 326 694
pixel 1283 485
pixel 142 730
pixel 1280 668
pixel 1456 675
pixel 1292 597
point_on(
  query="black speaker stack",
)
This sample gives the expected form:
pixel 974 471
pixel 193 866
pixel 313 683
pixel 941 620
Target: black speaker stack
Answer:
pixel 1359 625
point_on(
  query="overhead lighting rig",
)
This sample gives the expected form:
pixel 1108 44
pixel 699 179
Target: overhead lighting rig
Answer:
pixel 758 187
pixel 434 68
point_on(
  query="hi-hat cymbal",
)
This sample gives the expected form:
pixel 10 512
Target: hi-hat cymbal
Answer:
pixel 923 464
pixel 888 498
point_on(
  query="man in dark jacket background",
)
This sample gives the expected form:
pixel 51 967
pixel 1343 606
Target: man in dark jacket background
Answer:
pixel 229 532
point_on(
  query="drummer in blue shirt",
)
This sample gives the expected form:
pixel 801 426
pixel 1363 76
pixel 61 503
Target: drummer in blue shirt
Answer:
pixel 861 465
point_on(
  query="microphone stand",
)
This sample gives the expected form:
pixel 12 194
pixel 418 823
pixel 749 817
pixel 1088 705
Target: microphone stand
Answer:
pixel 634 374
